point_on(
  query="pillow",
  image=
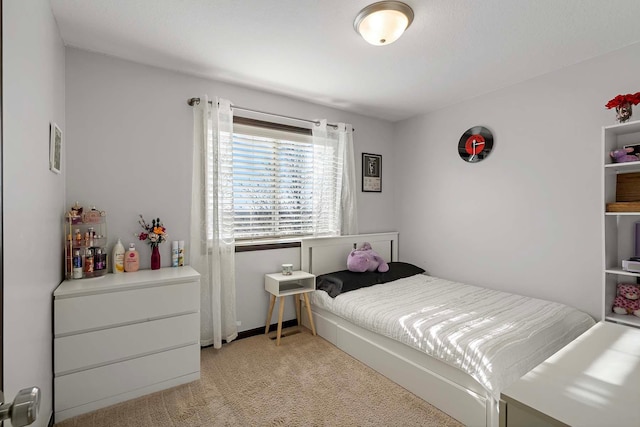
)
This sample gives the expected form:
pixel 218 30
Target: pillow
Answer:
pixel 344 281
pixel 400 270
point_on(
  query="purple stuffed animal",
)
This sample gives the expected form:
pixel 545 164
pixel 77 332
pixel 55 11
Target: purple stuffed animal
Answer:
pixel 622 155
pixel 366 259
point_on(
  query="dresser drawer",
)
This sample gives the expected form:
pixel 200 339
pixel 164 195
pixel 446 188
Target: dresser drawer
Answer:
pixel 98 311
pixel 104 382
pixel 82 351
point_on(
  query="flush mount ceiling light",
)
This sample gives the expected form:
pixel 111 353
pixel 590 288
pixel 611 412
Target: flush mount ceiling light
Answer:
pixel 383 22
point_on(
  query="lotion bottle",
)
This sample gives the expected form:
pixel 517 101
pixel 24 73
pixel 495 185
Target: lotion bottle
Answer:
pixel 131 259
pixel 118 258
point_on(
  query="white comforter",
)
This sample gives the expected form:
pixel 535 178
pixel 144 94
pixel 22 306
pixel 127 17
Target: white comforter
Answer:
pixel 495 337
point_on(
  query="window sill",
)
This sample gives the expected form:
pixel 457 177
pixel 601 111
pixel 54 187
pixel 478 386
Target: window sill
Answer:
pixel 267 244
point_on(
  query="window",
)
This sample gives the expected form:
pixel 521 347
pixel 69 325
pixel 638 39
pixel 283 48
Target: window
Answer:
pixel 285 184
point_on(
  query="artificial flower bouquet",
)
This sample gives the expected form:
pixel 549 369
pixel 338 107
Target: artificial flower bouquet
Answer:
pixel 620 100
pixel 153 233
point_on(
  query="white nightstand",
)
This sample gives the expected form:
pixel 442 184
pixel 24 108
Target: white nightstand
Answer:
pixel 280 286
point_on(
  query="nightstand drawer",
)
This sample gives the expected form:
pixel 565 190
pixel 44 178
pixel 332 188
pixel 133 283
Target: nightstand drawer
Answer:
pixel 83 351
pixel 99 311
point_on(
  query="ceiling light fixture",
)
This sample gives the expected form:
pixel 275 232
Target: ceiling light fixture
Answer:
pixel 383 22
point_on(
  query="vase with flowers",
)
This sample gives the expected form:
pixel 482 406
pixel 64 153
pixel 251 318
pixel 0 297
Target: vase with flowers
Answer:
pixel 623 105
pixel 154 234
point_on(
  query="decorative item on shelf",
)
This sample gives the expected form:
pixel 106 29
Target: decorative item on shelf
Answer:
pixel 93 216
pixel 622 155
pixel 154 234
pixel 75 214
pixel 627 193
pixel 623 105
pixel 627 299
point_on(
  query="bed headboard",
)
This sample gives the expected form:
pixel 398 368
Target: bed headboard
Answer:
pixel 326 254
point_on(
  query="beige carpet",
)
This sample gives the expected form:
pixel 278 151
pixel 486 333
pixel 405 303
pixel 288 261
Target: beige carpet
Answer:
pixel 251 382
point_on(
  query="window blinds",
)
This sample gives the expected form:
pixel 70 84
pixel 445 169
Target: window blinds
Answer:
pixel 284 184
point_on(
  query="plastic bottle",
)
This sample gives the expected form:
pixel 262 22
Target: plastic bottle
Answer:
pixel 88 262
pixel 118 258
pixel 77 265
pixel 131 259
pixel 180 253
pixel 174 253
pixel 99 260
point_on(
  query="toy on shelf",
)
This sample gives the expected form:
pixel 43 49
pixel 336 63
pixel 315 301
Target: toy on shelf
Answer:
pixel 627 300
pixel 622 155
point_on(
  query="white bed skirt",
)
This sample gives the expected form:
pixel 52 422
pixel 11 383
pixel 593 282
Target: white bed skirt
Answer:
pixel 445 387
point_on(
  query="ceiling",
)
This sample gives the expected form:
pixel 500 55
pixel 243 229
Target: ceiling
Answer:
pixel 308 49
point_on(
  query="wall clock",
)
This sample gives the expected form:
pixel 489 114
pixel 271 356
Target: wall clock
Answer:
pixel 475 144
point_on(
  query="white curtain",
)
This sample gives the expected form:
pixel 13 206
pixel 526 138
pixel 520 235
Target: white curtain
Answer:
pixel 338 193
pixel 212 241
pixel 349 223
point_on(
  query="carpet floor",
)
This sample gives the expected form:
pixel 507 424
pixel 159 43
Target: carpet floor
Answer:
pixel 306 381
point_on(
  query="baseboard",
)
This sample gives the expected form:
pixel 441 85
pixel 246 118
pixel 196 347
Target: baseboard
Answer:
pixel 260 331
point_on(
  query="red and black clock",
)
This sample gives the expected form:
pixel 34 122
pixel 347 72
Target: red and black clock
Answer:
pixel 475 144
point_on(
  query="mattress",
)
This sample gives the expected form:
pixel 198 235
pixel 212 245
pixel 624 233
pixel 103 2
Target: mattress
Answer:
pixel 495 337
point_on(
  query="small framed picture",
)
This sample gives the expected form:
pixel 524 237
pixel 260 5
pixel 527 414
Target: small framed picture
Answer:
pixel 55 148
pixel 371 172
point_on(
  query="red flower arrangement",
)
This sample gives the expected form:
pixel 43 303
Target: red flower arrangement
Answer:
pixel 631 98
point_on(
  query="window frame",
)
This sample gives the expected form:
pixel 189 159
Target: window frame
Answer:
pixel 273 241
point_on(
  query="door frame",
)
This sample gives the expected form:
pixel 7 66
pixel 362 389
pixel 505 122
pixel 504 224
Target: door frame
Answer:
pixel 1 214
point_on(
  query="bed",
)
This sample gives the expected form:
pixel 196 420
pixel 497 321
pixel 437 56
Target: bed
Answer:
pixel 398 329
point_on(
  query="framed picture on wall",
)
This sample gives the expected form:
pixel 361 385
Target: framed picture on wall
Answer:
pixel 371 172
pixel 55 148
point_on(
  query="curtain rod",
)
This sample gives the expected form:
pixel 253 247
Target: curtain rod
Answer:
pixel 196 101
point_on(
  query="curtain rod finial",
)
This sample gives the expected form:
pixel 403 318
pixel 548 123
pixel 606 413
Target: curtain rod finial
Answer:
pixel 193 101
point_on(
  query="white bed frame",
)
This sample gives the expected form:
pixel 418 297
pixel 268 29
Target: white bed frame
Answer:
pixel 449 389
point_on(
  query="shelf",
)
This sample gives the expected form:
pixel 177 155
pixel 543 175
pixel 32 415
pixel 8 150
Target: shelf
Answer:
pixel 299 282
pixel 621 272
pixel 625 319
pixel 623 128
pixel 287 288
pixel 627 167
pixel 95 223
pixel 621 213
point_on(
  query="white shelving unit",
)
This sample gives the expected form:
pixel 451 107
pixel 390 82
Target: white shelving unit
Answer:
pixel 618 227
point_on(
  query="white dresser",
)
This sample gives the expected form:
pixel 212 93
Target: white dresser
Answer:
pixel 124 335
pixel 594 381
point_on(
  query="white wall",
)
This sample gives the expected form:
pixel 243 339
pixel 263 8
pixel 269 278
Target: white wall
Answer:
pixel 129 151
pixel 528 218
pixel 33 197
